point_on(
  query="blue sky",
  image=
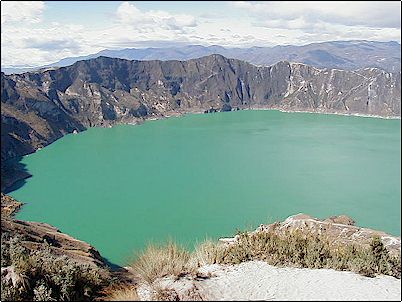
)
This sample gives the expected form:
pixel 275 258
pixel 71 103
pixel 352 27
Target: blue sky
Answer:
pixel 41 32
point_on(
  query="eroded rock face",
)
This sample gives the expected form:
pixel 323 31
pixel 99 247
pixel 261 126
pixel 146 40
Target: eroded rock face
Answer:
pixel 38 108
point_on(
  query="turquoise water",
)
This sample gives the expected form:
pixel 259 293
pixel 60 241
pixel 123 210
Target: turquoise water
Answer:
pixel 208 175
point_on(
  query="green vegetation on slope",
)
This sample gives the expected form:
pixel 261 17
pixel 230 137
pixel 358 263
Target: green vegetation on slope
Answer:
pixel 300 249
pixel 42 276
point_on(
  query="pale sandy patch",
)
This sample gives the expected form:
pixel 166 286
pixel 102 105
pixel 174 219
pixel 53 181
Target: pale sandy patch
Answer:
pixel 257 280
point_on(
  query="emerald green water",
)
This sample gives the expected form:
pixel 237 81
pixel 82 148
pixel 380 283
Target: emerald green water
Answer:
pixel 208 175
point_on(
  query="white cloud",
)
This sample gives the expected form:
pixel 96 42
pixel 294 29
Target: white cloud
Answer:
pixel 302 22
pixel 32 45
pixel 384 14
pixel 129 14
pixel 21 11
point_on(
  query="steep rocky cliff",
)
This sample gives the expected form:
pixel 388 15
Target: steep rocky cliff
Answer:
pixel 38 108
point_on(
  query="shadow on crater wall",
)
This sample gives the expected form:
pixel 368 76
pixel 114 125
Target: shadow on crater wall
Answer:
pixel 111 265
pixel 13 174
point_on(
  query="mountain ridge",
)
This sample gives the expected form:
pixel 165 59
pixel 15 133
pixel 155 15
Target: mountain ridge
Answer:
pixel 349 55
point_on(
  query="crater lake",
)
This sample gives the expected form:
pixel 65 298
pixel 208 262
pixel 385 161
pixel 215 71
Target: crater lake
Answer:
pixel 207 175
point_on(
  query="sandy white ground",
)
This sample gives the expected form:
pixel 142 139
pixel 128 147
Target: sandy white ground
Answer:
pixel 257 280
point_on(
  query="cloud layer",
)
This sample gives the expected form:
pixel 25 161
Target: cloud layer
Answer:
pixel 383 14
pixel 28 38
pixel 21 11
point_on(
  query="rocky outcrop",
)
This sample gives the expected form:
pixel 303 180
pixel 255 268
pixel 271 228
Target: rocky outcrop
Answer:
pixel 38 108
pixel 36 234
pixel 9 275
pixel 337 229
pixel 9 205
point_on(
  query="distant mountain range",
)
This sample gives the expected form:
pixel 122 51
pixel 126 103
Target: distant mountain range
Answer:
pixel 347 55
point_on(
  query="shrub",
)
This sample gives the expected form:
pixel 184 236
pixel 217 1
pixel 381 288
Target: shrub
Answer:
pixel 309 250
pixel 42 293
pixel 45 276
pixel 10 293
pixel 5 250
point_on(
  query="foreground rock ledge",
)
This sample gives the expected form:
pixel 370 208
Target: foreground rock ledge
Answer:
pixel 258 280
pixel 338 229
pixel 35 234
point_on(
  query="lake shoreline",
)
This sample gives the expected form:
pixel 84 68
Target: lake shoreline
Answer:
pixel 391 117
pixel 179 114
pixel 21 175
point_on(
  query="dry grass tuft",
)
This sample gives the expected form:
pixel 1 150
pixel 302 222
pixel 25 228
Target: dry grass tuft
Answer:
pixel 208 252
pixel 160 261
pixel 120 293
